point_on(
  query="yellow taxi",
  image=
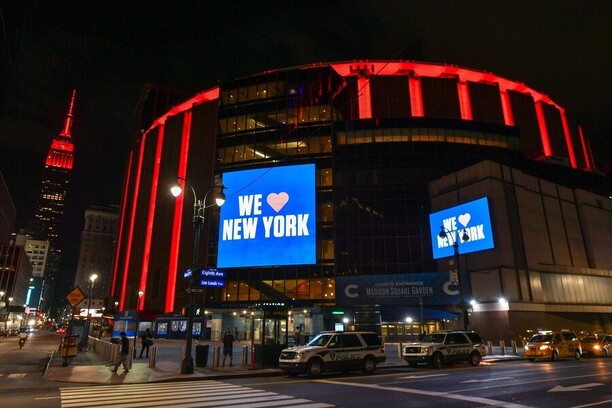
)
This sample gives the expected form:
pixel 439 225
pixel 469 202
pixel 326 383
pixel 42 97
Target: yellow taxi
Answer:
pixel 596 346
pixel 553 345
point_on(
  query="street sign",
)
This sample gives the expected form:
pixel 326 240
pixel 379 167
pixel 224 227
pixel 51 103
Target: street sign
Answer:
pixel 75 296
pixel 190 290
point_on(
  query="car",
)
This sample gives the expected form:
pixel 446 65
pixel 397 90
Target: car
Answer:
pixel 553 345
pixel 596 346
pixel 334 351
pixel 445 346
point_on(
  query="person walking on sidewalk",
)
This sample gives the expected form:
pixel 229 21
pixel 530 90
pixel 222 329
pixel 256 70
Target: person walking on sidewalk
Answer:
pixel 228 345
pixel 147 341
pixel 124 354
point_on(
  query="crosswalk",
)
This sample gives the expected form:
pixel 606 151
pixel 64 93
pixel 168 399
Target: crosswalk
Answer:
pixel 184 394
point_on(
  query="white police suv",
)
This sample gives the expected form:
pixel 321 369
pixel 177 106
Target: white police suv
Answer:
pixel 445 346
pixel 334 351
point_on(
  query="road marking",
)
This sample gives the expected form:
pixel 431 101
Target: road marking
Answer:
pixel 578 387
pixel 421 376
pixel 593 404
pixel 486 380
pixel 185 394
pixel 17 375
pixel 477 400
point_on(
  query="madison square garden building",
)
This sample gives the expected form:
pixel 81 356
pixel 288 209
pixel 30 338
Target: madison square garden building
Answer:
pixel 396 196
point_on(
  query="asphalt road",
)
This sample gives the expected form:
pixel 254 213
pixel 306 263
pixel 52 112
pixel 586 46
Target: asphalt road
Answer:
pixel 563 384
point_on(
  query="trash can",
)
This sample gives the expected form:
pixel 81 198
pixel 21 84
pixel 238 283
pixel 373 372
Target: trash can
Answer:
pixel 201 355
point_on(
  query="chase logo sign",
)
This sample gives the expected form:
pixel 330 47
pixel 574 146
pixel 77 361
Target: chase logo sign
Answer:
pixel 268 217
pixel 471 220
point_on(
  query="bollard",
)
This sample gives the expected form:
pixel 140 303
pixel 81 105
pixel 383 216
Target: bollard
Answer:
pixel 245 355
pixel 502 348
pixel 152 356
pixel 216 357
pixel 490 347
pixel 400 348
pixel 513 343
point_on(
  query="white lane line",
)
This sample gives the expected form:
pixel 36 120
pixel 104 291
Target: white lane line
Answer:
pixel 486 380
pixel 416 377
pixel 478 400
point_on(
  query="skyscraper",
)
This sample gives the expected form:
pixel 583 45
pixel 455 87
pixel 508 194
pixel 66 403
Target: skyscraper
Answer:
pixel 54 189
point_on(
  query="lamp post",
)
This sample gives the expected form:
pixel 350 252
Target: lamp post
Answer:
pixel 138 307
pixel 92 280
pixel 198 221
pixel 444 233
pixel 8 311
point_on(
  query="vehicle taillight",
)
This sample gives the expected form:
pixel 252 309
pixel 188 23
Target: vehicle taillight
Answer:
pixel 382 348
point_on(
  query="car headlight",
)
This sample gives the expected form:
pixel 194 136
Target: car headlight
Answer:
pixel 544 347
pixel 299 355
pixel 596 347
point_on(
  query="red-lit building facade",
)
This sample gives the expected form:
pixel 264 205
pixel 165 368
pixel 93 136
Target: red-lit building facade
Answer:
pixel 391 142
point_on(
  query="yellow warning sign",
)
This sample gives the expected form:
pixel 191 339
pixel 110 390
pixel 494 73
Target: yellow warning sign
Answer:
pixel 75 296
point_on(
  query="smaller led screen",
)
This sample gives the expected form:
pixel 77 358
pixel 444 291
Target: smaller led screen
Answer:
pixel 470 220
pixel 268 218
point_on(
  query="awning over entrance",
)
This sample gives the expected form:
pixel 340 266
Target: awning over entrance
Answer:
pixel 400 314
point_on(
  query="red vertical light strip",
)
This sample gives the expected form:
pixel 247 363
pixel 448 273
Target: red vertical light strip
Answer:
pixel 586 150
pixel 151 217
pixel 464 101
pixel 507 108
pixel 416 96
pixel 175 240
pixel 543 130
pixel 121 221
pixel 128 249
pixel 568 139
pixel 365 101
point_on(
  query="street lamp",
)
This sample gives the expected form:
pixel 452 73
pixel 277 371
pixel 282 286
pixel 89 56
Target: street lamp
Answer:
pixel 444 233
pixel 138 306
pixel 92 280
pixel 8 311
pixel 198 221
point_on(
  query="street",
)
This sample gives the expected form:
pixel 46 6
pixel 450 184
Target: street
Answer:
pixel 562 384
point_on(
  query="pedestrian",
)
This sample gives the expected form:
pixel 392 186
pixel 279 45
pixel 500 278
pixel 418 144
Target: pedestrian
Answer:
pixel 147 341
pixel 124 354
pixel 228 345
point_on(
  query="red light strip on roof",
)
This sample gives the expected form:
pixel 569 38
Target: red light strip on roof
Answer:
pixel 505 103
pixel 150 218
pixel 365 101
pixel 175 240
pixel 128 251
pixel 122 220
pixel 543 130
pixel 416 96
pixel 586 150
pixel 464 101
pixel 568 139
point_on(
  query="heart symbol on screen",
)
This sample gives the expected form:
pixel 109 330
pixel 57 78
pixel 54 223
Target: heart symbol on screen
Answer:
pixel 464 219
pixel 277 201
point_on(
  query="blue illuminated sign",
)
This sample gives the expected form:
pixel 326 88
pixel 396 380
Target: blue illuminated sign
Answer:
pixel 268 217
pixel 211 282
pixel 205 273
pixel 470 218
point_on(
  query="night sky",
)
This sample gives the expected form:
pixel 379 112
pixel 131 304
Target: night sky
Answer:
pixel 107 50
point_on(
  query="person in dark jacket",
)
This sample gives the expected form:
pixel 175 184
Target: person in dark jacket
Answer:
pixel 228 345
pixel 124 354
pixel 147 341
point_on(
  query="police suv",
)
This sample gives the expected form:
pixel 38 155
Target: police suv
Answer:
pixel 334 351
pixel 445 346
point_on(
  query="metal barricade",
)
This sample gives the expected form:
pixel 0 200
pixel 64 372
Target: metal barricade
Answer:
pixel 513 344
pixel 502 347
pixel 216 352
pixel 490 347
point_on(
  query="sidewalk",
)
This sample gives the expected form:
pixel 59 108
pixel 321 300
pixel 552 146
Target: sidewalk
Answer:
pixel 88 367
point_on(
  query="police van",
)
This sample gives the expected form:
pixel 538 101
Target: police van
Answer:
pixel 334 351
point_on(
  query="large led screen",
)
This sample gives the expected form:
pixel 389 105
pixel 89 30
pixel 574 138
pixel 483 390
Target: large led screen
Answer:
pixel 471 218
pixel 268 218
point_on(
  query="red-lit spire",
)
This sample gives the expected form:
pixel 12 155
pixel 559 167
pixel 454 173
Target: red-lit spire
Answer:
pixel 68 121
pixel 61 153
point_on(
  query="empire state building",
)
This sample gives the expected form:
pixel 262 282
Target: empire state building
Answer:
pixel 54 189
